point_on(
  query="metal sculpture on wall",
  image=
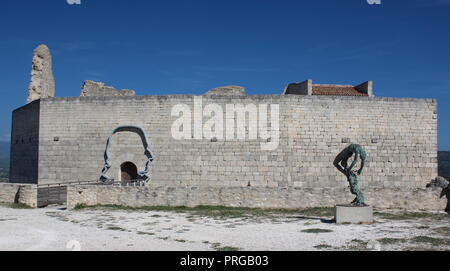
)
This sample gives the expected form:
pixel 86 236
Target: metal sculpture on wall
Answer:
pixel 148 153
pixel 341 163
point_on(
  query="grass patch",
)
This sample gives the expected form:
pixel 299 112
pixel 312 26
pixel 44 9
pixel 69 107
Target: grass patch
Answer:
pixel 390 241
pixel 58 216
pixel 219 211
pixel 227 248
pixel 360 242
pixel 317 211
pixel 115 228
pixel 121 207
pixel 443 230
pixel 356 245
pixel 228 212
pixel 16 205
pixel 316 230
pixel 218 247
pixel 412 216
pixel 322 246
pixel 423 227
pixel 145 233
pixel 80 206
pixel 431 240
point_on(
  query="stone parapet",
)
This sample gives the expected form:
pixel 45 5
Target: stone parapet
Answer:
pixel 254 197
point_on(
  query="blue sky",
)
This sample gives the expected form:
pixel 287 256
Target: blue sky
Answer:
pixel 187 47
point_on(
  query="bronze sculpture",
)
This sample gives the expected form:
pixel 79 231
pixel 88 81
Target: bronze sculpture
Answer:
pixel 341 163
pixel 441 182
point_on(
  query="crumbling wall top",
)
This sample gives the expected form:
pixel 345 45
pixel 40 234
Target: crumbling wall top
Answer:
pixel 227 90
pixel 91 88
pixel 42 83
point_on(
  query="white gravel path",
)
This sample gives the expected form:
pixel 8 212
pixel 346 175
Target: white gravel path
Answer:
pixel 53 228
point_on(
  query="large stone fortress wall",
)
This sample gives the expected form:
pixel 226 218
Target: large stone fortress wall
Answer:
pixel 400 137
pixel 63 140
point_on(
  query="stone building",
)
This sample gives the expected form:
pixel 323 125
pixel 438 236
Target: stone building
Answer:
pixel 57 140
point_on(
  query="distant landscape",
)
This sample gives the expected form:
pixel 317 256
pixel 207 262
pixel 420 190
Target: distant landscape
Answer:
pixel 444 164
pixel 443 157
pixel 4 161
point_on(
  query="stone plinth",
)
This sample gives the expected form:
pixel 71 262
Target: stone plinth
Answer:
pixel 353 214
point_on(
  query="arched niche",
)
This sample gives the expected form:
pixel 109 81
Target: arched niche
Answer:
pixel 141 175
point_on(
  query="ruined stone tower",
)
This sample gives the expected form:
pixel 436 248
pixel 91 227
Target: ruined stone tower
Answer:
pixel 42 83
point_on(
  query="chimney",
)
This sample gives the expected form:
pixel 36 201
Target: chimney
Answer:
pixel 366 87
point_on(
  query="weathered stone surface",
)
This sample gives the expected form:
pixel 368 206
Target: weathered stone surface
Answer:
pixel 310 138
pixel 440 182
pixel 227 90
pixel 253 197
pixel 18 193
pixel 42 83
pixel 98 89
pixel 353 214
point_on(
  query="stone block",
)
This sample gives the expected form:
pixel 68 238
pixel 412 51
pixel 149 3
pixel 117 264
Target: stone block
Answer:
pixel 353 214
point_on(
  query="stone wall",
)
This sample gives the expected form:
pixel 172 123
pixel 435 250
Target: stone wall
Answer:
pixel 25 144
pixel 15 193
pixel 254 197
pixel 400 137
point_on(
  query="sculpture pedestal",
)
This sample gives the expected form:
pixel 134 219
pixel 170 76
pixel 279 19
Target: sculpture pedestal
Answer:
pixel 353 214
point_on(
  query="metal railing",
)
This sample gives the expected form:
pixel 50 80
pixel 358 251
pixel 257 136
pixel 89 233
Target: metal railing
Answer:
pixel 131 183
pixel 66 183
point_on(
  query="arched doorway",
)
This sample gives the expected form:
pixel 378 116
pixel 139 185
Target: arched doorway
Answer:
pixel 128 172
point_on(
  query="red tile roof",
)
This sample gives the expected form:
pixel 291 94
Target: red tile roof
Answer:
pixel 336 90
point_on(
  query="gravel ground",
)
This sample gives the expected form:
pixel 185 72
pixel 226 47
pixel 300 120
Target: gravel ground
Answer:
pixel 99 229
